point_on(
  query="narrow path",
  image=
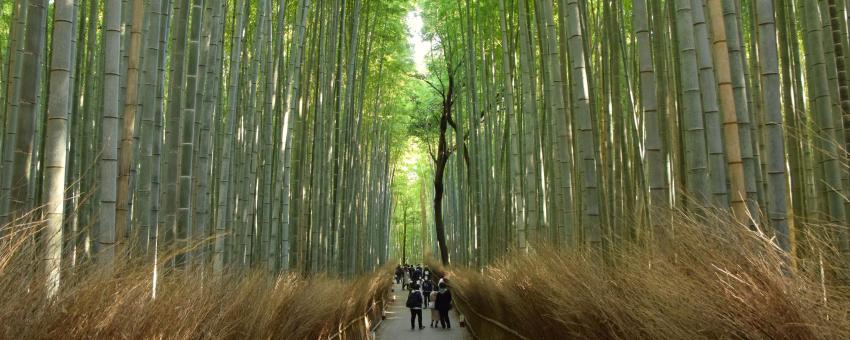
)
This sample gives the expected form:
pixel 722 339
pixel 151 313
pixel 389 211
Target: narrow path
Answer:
pixel 397 324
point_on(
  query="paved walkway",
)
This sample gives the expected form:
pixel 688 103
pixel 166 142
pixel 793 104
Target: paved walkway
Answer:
pixel 397 324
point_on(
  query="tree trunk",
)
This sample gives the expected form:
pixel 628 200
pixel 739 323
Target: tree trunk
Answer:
pixel 58 110
pixel 696 159
pixel 775 153
pixel 730 118
pixel 29 109
pixel 128 135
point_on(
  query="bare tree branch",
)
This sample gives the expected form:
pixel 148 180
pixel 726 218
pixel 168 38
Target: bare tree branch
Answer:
pixel 441 92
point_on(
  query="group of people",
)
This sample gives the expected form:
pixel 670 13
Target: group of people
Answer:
pixel 425 294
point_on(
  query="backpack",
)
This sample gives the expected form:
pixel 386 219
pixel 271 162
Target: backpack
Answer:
pixel 414 300
pixel 427 286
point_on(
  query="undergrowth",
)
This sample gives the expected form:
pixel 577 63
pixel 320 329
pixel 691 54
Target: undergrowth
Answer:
pixel 95 304
pixel 697 279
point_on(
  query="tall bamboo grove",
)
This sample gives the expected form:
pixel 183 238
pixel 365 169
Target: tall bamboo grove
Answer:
pixel 224 135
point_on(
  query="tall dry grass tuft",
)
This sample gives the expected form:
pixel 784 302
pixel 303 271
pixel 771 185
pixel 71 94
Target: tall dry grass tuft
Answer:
pixel 188 305
pixel 709 279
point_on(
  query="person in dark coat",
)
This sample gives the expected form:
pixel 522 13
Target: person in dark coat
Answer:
pixel 399 273
pixel 416 275
pixel 427 288
pixel 443 305
pixel 415 303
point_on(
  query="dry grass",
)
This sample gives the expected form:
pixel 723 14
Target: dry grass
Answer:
pixel 696 280
pixel 188 305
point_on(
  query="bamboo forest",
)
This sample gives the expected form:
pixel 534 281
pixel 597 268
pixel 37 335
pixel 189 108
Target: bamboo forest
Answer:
pixel 532 169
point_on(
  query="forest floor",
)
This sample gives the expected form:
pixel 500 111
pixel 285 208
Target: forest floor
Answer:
pixel 397 324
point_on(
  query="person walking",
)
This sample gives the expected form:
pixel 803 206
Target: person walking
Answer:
pixel 405 280
pixel 427 288
pixel 443 303
pixel 435 314
pixel 398 274
pixel 416 274
pixel 414 302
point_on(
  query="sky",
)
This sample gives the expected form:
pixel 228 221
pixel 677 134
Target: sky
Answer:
pixel 420 47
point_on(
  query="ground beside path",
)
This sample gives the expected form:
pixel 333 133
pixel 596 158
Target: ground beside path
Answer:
pixel 397 323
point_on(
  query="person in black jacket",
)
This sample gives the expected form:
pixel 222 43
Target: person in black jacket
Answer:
pixel 427 288
pixel 416 274
pixel 443 305
pixel 414 303
pixel 399 273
